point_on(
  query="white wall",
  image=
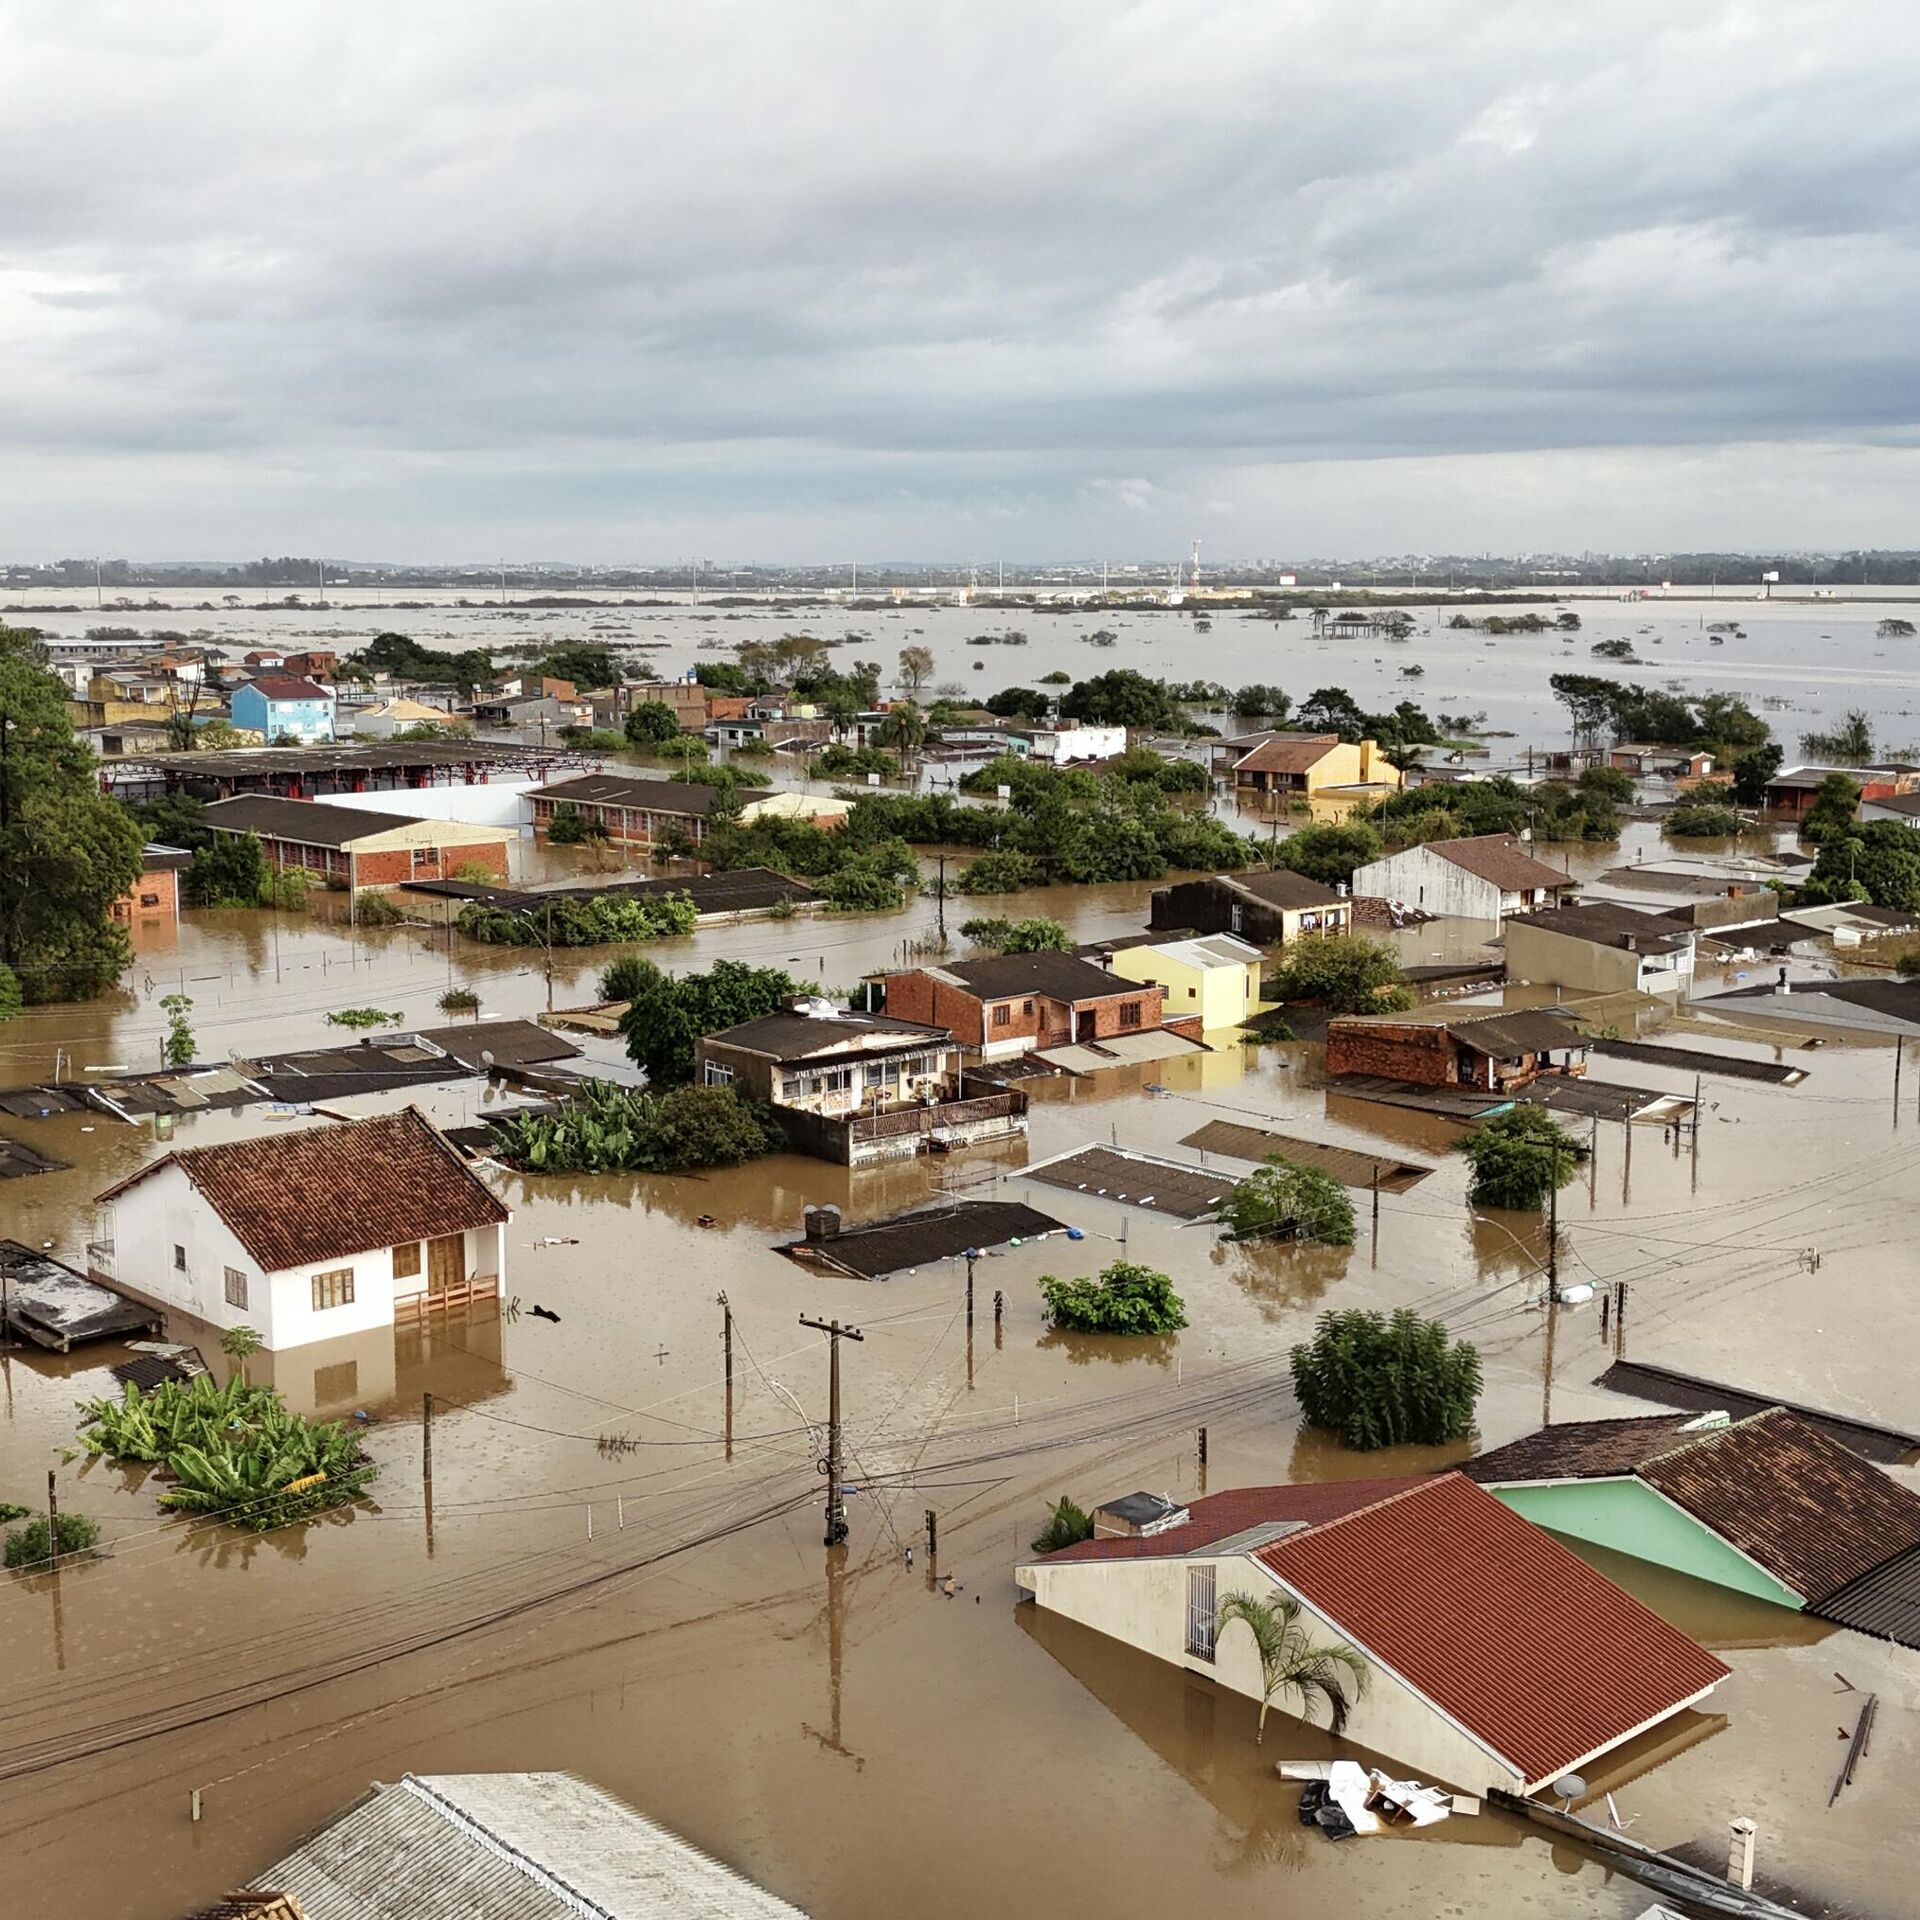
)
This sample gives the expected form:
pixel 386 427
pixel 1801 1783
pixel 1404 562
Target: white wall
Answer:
pixel 163 1211
pixel 499 803
pixel 1418 878
pixel 1144 1603
pixel 1079 743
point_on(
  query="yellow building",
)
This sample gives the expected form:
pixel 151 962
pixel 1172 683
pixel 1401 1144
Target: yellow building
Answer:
pixel 1215 979
pixel 1285 768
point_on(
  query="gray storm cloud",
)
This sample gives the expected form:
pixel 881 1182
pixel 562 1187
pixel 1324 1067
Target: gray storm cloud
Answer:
pixel 767 279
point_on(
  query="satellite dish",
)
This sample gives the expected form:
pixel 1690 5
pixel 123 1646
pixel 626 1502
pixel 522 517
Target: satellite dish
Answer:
pixel 486 1057
pixel 1570 1787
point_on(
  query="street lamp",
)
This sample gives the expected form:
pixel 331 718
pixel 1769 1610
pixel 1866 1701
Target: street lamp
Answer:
pixel 546 940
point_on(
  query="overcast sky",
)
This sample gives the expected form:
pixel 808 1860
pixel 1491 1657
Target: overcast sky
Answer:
pixel 765 279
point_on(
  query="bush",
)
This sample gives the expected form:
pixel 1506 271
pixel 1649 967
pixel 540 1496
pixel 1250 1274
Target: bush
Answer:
pixel 27 1547
pixel 611 1129
pixel 1518 1158
pixel 672 1010
pixel 229 871
pixel 360 1019
pixel 594 739
pixel 999 873
pixel 1330 853
pixel 1700 820
pixel 235 1451
pixel 565 921
pixel 837 762
pixel 569 826
pixel 683 746
pixel 1387 1382
pixel 755 747
pixel 1125 1299
pixel 1343 973
pixel 459 1000
pixel 1018 936
pixel 376 909
pixel 627 977
pixel 1613 784
pixel 1284 1199
pixel 1066 1525
pixel 650 722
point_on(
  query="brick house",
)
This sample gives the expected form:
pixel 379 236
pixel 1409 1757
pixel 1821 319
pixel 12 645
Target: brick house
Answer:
pixel 154 899
pixel 1014 1003
pixel 632 809
pixel 357 848
pixel 1489 1048
pixel 1270 909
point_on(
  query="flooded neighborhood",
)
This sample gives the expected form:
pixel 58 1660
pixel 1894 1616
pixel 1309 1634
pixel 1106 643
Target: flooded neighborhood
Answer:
pixel 1151 1292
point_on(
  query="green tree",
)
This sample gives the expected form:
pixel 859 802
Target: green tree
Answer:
pixel 176 1050
pixel 1018 703
pixel 1018 936
pixel 230 870
pixel 1329 853
pixel 1877 862
pixel 1518 1157
pixel 68 854
pixel 569 827
pixel 1343 973
pixel 11 998
pixel 650 722
pixel 1612 784
pixel 1831 816
pixel 1850 744
pixel 670 1012
pixel 1752 773
pixel 904 730
pixel 1006 872
pixel 1291 1662
pixel 240 1344
pixel 1282 1198
pixel 1066 1524
pixel 1332 710
pixel 172 820
pixel 1386 1382
pixel 1699 819
pixel 1123 698
pixel 1262 702
pixel 1126 1298
pixel 610 1129
pixel 916 669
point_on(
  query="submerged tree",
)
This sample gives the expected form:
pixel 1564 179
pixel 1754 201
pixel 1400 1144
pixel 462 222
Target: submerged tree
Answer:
pixel 1386 1382
pixel 1066 1525
pixel 1291 1662
pixel 1282 1198
pixel 1518 1158
pixel 1126 1298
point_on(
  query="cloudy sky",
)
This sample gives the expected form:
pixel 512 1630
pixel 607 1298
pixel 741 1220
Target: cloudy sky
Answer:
pixel 772 279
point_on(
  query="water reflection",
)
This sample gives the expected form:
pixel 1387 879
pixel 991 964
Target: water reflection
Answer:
pixel 1282 1279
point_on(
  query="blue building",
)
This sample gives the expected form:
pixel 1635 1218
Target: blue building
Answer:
pixel 275 706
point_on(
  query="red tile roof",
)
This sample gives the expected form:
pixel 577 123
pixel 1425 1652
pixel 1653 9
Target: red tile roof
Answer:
pixel 1300 754
pixel 287 687
pixel 1526 1646
pixel 322 1193
pixel 1222 1514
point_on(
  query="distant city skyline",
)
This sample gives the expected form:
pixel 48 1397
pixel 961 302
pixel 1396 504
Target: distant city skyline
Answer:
pixel 797 283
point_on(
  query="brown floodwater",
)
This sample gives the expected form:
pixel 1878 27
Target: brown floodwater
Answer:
pixel 600 1587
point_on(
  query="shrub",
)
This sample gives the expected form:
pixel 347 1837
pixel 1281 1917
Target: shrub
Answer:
pixel 362 1018
pixel 836 762
pixel 1700 820
pixel 27 1547
pixel 1343 973
pixel 1330 853
pixel 1124 1299
pixel 671 1010
pixel 650 722
pixel 611 1129
pixel 1066 1524
pixel 1284 1199
pixel 627 977
pixel 286 889
pixel 1018 936
pixel 1386 1382
pixel 563 920
pixel 459 1000
pixel 569 826
pixel 229 871
pixel 755 747
pixel 1518 1158
pixel 377 909
pixel 683 746
pixel 999 873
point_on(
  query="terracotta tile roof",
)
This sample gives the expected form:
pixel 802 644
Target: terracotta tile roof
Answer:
pixel 1534 1652
pixel 1299 755
pixel 1500 860
pixel 1812 1513
pixel 287 687
pixel 1581 1450
pixel 324 1192
pixel 1221 1515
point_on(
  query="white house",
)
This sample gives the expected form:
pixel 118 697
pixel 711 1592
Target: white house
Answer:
pixel 1495 1656
pixel 1486 877
pixel 305 1235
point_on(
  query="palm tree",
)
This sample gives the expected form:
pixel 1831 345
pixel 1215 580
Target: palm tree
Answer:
pixel 1291 1663
pixel 240 1344
pixel 904 730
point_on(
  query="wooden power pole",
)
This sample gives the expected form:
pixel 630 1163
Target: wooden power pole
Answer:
pixel 836 1504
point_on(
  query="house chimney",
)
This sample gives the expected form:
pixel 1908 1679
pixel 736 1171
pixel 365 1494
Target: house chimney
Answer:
pixel 1740 1835
pixel 822 1223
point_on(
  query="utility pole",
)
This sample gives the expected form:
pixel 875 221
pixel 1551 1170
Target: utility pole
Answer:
pixel 836 1516
pixel 1553 1303
pixel 940 903
pixel 726 1349
pixel 53 1523
pixel 1619 1319
pixel 973 1254
pixel 426 1463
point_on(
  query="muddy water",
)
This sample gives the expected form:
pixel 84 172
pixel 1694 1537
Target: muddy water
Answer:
pixel 857 1741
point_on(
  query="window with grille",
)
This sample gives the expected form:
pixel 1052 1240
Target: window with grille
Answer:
pixel 1200 1612
pixel 179 1259
pixel 236 1289
pixel 333 1289
pixel 1130 1013
pixel 406 1260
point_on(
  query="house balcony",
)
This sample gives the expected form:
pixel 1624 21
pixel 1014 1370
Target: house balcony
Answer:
pixel 461 1293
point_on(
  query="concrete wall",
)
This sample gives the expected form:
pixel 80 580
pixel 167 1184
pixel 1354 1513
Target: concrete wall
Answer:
pixel 500 803
pixel 1144 1604
pixel 1628 1516
pixel 1217 996
pixel 1419 878
pixel 1546 958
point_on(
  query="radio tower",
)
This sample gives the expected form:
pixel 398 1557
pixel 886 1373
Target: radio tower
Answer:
pixel 1194 567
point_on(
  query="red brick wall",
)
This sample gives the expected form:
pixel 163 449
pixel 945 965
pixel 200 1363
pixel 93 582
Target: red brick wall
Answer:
pixel 919 996
pixel 389 868
pixel 161 887
pixel 1419 1053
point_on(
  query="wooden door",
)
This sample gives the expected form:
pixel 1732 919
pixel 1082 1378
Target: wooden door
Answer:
pixel 446 1262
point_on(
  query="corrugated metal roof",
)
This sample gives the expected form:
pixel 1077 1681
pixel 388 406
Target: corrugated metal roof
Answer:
pixel 1884 1602
pixel 918 1239
pixel 508 1846
pixel 1345 1164
pixel 1118 1050
pixel 1517 1639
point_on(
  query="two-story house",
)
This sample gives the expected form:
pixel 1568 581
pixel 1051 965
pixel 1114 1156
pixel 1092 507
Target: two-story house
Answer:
pixel 279 706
